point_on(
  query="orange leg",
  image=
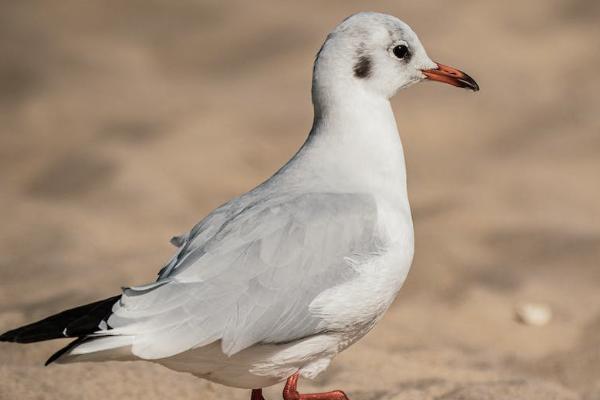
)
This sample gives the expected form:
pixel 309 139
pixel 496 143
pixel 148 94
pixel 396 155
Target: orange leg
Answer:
pixel 290 392
pixel 257 395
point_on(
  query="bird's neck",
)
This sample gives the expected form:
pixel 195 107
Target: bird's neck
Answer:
pixel 355 118
pixel 355 140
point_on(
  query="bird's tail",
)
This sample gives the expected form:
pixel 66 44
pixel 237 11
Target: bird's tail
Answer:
pixel 78 322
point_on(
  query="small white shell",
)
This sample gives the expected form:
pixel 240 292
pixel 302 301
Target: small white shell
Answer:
pixel 533 314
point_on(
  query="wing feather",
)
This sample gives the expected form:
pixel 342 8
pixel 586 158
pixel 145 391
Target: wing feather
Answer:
pixel 253 278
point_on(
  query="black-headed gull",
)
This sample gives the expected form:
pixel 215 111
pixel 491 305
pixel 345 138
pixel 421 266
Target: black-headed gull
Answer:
pixel 276 282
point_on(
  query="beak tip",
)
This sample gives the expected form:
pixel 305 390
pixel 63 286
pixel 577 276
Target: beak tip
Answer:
pixel 468 83
pixel 452 76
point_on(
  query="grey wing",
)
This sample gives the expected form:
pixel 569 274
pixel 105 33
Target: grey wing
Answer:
pixel 254 279
pixel 199 234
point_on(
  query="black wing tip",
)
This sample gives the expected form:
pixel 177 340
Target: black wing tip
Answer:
pixel 13 336
pixel 53 357
pixel 29 334
pixel 10 336
pixel 75 322
pixel 21 335
pixel 65 350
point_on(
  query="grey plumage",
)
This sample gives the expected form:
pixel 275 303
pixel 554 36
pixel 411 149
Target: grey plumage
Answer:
pixel 248 274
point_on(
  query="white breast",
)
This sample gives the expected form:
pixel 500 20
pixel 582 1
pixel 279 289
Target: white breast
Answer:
pixel 353 307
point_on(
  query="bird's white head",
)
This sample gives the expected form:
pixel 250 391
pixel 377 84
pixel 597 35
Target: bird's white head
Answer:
pixel 379 55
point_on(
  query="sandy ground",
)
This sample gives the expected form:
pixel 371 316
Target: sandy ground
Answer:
pixel 123 123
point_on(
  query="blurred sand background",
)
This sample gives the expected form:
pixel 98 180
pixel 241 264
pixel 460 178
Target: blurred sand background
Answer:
pixel 122 123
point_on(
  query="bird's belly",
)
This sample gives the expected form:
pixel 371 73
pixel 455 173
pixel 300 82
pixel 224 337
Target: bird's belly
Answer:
pixel 258 366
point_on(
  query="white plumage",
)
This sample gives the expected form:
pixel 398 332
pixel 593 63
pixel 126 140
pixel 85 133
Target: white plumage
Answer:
pixel 289 274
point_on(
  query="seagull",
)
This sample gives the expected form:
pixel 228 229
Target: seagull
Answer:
pixel 273 284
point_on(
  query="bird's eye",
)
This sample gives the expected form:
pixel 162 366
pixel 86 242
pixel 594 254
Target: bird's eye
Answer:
pixel 400 51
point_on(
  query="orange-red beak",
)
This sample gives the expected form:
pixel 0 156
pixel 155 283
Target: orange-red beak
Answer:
pixel 451 76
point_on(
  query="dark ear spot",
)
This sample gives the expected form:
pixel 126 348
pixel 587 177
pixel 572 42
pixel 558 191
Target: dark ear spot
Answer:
pixel 362 68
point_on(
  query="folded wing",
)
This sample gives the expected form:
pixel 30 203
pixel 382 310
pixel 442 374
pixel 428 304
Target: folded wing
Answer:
pixel 252 279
